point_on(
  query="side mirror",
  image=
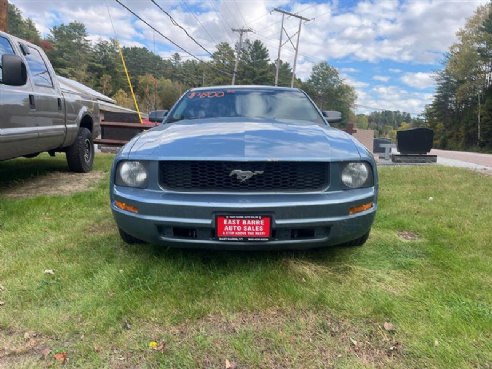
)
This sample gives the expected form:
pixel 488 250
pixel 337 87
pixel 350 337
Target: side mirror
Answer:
pixel 332 116
pixel 14 71
pixel 157 116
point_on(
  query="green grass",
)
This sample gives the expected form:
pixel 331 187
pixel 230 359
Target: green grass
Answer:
pixel 319 309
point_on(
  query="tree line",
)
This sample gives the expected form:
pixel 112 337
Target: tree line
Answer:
pixel 461 111
pixel 158 82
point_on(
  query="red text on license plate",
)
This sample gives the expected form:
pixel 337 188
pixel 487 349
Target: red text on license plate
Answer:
pixel 243 227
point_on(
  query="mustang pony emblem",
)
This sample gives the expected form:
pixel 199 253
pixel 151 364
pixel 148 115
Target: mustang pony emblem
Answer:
pixel 244 175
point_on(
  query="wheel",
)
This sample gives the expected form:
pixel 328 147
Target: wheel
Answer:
pixel 358 241
pixel 128 238
pixel 80 155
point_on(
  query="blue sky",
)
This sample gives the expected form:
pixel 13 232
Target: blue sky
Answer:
pixel 388 50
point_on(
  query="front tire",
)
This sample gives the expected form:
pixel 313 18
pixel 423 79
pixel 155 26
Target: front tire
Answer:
pixel 80 155
pixel 358 241
pixel 128 238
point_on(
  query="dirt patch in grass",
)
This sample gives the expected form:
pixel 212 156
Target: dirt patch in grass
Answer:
pixel 280 339
pixel 21 350
pixel 53 184
pixel 408 235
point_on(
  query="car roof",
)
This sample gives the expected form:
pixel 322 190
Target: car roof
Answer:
pixel 248 87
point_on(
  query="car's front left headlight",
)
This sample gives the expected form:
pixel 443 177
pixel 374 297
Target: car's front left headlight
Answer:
pixel 357 174
pixel 131 174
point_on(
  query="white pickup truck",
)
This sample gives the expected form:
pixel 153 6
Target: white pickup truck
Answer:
pixel 37 114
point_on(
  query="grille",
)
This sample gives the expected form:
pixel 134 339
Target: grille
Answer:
pixel 223 176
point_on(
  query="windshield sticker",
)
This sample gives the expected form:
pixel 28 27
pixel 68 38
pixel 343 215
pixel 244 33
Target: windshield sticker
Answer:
pixel 206 94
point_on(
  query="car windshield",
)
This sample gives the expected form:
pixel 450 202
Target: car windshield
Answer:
pixel 285 105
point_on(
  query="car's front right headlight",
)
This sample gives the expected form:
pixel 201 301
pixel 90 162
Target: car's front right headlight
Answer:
pixel 357 175
pixel 131 174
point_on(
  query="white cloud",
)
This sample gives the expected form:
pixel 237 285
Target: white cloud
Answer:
pixel 419 80
pixel 391 98
pixel 414 31
pixel 371 31
pixel 348 70
pixel 381 78
pixel 354 83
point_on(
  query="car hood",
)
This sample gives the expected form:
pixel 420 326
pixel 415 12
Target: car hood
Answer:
pixel 239 140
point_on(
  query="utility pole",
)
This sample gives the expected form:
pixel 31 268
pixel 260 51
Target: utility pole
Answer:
pixel 296 48
pixel 279 48
pixel 478 119
pixel 4 6
pixel 241 31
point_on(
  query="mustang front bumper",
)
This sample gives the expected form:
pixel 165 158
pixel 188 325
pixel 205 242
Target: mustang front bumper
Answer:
pixel 299 221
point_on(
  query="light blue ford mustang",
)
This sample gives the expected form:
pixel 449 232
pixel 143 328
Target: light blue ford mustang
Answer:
pixel 244 167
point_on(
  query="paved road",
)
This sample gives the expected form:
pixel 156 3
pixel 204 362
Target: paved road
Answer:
pixel 469 157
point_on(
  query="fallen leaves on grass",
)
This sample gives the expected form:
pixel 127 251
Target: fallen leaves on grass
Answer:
pixel 394 348
pixel 45 352
pixel 29 335
pixel 230 364
pixel 126 325
pixel 390 327
pixel 157 346
pixel 61 357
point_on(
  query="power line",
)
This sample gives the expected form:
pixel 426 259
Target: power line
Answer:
pixel 256 20
pixel 240 13
pixel 180 26
pixel 167 38
pixel 296 48
pixel 222 22
pixel 198 21
pixel 275 23
pixel 159 32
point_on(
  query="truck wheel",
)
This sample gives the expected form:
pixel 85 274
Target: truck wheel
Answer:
pixel 128 238
pixel 80 155
pixel 358 242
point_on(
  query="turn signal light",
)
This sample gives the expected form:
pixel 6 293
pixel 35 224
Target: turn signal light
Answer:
pixel 360 208
pixel 126 207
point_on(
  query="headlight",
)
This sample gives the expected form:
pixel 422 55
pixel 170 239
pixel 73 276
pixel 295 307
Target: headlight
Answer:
pixel 356 175
pixel 131 174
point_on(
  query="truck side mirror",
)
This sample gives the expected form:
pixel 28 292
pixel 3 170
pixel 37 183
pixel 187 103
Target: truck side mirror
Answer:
pixel 14 71
pixel 332 116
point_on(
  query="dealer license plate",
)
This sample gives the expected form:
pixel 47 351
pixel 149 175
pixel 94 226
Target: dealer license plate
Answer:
pixel 243 227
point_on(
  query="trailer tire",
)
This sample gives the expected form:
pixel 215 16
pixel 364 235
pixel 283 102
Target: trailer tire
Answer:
pixel 80 155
